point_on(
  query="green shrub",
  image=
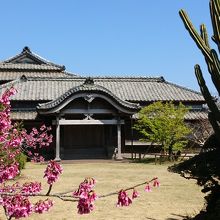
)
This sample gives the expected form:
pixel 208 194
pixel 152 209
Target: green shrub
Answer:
pixel 21 159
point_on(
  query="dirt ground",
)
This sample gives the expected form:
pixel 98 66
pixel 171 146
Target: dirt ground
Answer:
pixel 174 199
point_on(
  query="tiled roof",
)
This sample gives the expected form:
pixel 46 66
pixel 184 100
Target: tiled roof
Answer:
pixel 32 115
pixel 27 66
pixel 32 65
pixel 23 115
pixel 134 89
pixel 87 86
pixel 34 58
pixel 7 76
pixel 192 115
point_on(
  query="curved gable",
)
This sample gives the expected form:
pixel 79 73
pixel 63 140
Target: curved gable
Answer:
pixel 89 92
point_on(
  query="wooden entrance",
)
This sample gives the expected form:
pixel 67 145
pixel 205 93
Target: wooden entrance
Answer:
pixel 83 142
pixel 82 115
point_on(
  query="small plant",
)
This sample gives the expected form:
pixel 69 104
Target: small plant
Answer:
pixel 22 160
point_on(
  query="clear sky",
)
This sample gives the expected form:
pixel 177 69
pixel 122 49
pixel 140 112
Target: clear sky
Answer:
pixel 108 37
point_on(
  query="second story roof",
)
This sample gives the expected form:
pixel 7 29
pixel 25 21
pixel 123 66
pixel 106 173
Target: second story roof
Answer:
pixel 30 64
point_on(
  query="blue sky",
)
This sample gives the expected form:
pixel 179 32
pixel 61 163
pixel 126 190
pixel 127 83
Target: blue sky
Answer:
pixel 108 37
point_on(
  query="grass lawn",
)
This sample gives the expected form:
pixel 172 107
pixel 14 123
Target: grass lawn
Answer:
pixel 175 198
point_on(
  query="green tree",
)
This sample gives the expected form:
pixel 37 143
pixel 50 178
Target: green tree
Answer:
pixel 164 124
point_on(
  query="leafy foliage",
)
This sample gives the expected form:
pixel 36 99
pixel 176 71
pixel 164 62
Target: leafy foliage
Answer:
pixel 164 124
pixel 205 167
pixel 21 159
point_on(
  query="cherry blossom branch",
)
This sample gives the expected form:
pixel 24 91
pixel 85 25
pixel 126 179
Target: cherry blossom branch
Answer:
pixel 49 190
pixel 64 197
pixel 130 188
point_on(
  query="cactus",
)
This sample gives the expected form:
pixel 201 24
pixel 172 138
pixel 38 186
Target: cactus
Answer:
pixel 204 167
pixel 211 59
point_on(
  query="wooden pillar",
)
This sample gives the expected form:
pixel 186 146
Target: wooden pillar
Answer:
pixel 119 156
pixel 57 158
pixel 132 139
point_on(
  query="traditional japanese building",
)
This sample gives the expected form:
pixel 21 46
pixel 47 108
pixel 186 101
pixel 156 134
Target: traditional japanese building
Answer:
pixel 90 117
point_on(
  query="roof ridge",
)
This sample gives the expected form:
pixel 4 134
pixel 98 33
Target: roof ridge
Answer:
pixel 26 51
pixel 78 77
pixel 54 78
pixel 71 74
pixel 126 77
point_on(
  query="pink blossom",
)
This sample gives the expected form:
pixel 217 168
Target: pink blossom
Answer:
pixel 15 142
pixel 43 206
pixel 84 206
pixel 135 194
pixel 52 172
pixel 35 140
pixel 9 189
pixel 8 172
pixel 12 91
pixel 34 131
pixel 92 196
pixel 42 128
pixel 5 99
pixel 147 188
pixel 156 182
pixel 4 123
pixel 32 188
pixel 86 196
pixel 16 206
pixel 123 199
pixel 84 188
pixel 36 158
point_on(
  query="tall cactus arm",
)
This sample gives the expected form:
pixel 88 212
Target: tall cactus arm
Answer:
pixel 215 16
pixel 216 71
pixel 204 36
pixel 194 34
pixel 204 89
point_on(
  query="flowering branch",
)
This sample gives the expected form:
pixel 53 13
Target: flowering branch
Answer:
pixel 62 195
pixel 130 188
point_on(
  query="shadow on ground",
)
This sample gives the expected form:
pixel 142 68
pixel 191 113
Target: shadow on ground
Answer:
pixel 177 217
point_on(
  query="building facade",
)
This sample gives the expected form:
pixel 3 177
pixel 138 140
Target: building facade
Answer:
pixel 90 117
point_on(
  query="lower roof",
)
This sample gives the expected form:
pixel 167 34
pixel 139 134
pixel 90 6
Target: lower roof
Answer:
pixel 32 115
pixel 133 89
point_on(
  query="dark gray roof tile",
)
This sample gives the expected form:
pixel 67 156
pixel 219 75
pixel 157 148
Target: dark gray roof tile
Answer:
pixel 85 87
pixel 7 76
pixel 196 115
pixel 27 54
pixel 128 89
pixel 27 66
pixel 23 115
